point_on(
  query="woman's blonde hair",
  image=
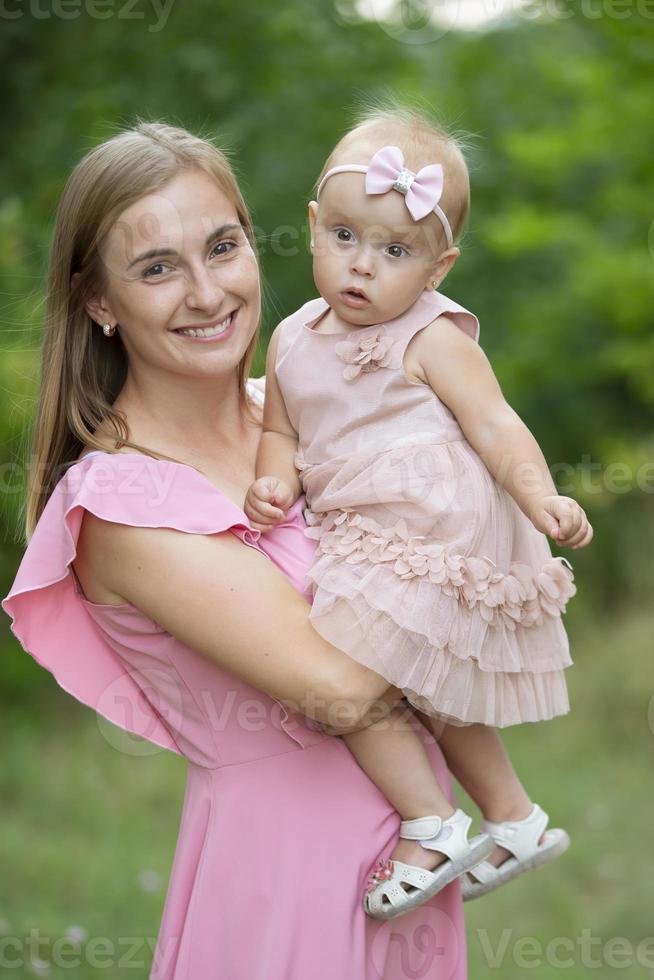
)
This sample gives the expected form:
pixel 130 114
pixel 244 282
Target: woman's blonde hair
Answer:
pixel 82 372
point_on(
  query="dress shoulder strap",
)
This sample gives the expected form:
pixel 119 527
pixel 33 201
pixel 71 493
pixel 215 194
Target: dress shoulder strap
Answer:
pixel 427 308
pixel 432 304
pixel 291 328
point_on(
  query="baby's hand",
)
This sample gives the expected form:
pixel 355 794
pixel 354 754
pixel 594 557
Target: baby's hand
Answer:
pixel 267 501
pixel 564 520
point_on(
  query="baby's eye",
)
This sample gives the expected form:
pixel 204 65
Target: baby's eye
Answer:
pixel 343 235
pixel 397 251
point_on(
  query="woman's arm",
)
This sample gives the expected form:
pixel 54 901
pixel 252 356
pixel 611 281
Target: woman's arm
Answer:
pixel 231 604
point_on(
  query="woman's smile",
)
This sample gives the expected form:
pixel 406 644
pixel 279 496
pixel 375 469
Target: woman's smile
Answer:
pixel 217 330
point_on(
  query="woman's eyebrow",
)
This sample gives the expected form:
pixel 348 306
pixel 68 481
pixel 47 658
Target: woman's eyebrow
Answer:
pixel 154 253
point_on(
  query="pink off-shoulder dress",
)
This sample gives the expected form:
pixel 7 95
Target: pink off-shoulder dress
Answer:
pixel 427 571
pixel 280 826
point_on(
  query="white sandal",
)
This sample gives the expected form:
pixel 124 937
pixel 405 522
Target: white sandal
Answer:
pixel 520 837
pixel 386 898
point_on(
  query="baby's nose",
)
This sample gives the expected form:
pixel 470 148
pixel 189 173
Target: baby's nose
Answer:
pixel 363 263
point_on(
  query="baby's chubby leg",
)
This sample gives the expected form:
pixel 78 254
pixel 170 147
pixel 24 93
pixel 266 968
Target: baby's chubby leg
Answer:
pixel 476 756
pixel 394 757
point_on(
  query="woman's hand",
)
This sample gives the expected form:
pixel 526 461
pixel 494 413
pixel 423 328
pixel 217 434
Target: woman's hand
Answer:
pixel 564 520
pixel 267 501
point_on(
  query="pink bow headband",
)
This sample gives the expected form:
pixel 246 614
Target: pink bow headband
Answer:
pixel 386 171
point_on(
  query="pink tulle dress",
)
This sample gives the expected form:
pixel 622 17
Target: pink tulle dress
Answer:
pixel 427 571
pixel 280 826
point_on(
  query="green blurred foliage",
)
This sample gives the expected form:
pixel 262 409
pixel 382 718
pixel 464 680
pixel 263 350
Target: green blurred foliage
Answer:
pixel 557 260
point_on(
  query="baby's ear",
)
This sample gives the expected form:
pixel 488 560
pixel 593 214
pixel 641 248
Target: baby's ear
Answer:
pixel 443 265
pixel 313 211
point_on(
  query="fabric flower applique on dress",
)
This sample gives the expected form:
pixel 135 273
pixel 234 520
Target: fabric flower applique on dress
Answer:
pixel 518 596
pixel 365 354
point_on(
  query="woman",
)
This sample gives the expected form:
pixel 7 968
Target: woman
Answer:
pixel 148 596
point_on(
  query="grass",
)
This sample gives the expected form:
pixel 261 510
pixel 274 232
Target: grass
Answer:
pixel 88 833
pixel 88 836
pixel 592 772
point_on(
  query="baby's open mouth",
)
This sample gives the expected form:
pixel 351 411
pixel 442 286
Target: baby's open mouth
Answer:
pixel 355 293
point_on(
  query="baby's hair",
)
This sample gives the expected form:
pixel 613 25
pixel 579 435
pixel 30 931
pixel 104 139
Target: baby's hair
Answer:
pixel 423 140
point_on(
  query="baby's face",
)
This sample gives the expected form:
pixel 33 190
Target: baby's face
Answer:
pixel 371 260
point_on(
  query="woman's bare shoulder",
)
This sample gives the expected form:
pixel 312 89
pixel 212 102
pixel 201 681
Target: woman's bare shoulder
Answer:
pixel 96 536
pixel 97 539
pixel 100 538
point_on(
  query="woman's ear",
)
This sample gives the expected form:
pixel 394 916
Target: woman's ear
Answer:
pixel 95 306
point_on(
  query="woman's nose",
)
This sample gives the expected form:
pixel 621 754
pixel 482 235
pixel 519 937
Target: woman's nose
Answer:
pixel 205 291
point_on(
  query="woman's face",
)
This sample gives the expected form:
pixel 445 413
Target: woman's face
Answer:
pixel 177 261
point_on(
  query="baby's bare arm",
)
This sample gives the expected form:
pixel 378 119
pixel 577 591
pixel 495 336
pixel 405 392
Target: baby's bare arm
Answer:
pixel 459 373
pixel 277 485
pixel 279 440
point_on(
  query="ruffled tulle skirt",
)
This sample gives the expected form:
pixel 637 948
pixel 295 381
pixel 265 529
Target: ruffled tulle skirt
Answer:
pixel 464 616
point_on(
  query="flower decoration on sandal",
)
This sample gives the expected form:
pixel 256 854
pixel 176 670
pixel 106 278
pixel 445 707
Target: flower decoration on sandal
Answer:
pixel 365 354
pixel 383 871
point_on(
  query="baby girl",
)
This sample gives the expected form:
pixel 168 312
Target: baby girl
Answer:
pixel 430 501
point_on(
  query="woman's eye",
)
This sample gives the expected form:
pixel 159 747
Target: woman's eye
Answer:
pixel 152 270
pixel 397 251
pixel 222 248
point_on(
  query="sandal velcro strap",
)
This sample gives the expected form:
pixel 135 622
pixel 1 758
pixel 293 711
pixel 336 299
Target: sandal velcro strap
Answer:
pixel 449 837
pixel 520 837
pixel 421 828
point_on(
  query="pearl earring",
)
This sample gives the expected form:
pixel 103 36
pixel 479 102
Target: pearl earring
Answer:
pixel 434 284
pixel 108 330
